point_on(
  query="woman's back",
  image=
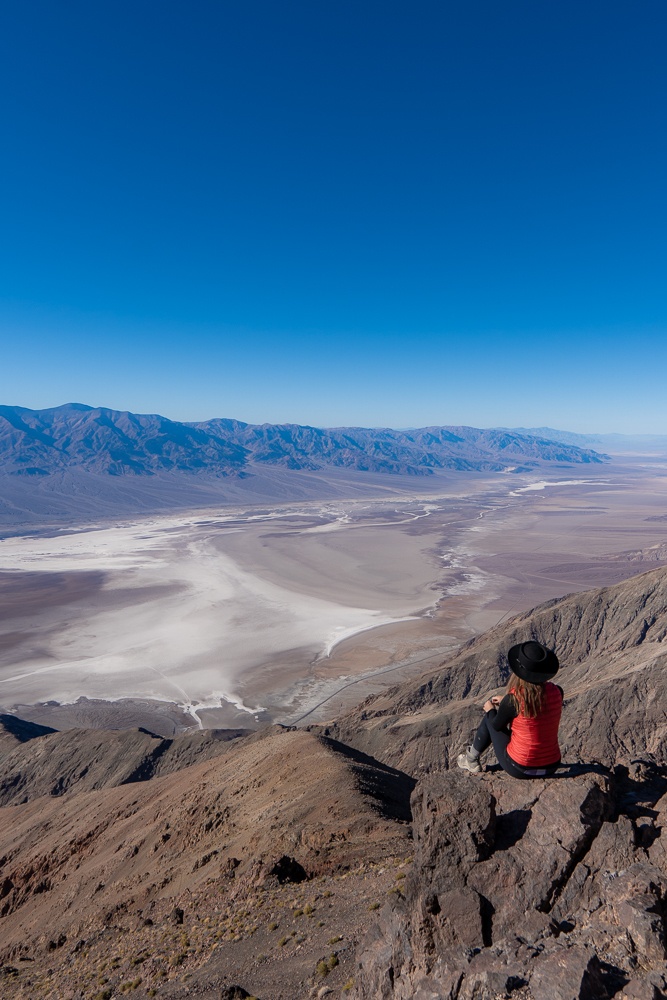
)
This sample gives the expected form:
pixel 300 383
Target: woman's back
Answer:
pixel 534 741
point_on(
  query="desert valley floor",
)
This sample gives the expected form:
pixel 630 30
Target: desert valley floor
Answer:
pixel 241 616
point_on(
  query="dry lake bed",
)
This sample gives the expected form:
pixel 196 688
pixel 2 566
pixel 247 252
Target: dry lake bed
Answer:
pixel 291 613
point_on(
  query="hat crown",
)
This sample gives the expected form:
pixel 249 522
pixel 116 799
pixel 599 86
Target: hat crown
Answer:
pixel 533 662
pixel 534 653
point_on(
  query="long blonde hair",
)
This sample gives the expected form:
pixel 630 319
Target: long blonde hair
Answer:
pixel 528 698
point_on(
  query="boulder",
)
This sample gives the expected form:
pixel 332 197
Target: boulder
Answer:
pixel 568 974
pixel 288 869
pixel 516 882
pixel 653 987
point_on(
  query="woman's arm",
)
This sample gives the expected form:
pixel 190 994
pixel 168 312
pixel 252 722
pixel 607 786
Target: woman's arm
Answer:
pixel 506 713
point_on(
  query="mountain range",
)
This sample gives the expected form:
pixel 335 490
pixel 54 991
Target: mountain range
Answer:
pixel 354 859
pixel 615 444
pixel 103 441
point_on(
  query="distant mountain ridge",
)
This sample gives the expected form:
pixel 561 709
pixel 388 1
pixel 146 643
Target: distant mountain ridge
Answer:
pixel 120 443
pixel 616 444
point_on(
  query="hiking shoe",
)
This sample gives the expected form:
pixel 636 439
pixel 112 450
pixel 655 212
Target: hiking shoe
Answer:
pixel 469 763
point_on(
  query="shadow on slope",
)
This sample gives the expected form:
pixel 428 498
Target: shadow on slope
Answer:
pixel 388 788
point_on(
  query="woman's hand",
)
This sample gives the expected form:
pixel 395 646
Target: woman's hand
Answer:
pixel 492 703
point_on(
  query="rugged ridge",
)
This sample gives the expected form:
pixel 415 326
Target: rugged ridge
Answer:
pixel 85 759
pixel 615 444
pixel 119 867
pixel 102 440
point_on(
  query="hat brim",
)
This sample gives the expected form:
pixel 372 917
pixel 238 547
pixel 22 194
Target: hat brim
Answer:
pixel 548 671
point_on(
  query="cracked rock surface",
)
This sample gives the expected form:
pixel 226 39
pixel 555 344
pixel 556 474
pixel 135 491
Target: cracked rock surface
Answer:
pixel 553 889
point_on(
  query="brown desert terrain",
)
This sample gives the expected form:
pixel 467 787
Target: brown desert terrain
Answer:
pixel 350 860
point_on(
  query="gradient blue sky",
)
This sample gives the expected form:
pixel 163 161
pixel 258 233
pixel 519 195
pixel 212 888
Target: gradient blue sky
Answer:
pixel 373 213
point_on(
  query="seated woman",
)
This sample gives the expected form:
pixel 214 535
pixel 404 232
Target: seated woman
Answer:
pixel 522 726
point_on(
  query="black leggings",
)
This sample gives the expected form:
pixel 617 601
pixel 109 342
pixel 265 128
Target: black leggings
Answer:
pixel 487 734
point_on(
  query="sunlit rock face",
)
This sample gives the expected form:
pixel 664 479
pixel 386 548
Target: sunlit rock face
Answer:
pixel 557 885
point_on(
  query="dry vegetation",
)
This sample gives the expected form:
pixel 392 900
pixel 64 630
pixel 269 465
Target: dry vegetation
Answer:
pixel 265 936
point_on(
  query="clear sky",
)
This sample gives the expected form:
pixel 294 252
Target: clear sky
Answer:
pixel 333 212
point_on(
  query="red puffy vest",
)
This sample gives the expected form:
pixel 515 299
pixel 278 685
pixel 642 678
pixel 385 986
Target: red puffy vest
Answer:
pixel 534 742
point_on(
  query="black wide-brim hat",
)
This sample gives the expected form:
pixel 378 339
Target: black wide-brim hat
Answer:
pixel 533 662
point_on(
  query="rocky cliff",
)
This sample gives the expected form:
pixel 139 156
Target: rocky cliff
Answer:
pixel 551 889
pixel 88 759
pixel 356 860
pixel 554 890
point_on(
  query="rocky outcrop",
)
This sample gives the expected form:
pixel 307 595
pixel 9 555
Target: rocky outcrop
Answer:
pixel 555 887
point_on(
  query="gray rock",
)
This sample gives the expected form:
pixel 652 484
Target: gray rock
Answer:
pixel 516 882
pixel 653 987
pixel 568 974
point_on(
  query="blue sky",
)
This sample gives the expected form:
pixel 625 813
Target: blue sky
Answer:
pixel 373 213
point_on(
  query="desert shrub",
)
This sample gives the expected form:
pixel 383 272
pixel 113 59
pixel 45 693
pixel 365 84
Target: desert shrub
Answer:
pixel 128 987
